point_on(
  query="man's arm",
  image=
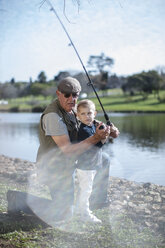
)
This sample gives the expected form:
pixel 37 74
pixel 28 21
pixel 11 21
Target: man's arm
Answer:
pixel 63 142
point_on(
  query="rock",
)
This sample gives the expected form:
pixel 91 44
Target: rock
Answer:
pixel 148 198
pixel 148 224
pixel 155 207
pixel 15 168
pixel 157 198
pixel 146 185
pixel 147 211
pixel 131 205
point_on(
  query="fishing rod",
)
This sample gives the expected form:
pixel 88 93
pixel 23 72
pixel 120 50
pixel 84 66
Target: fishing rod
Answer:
pixel 90 83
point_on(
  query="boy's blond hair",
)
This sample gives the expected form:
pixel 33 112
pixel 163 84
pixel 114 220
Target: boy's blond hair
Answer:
pixel 86 103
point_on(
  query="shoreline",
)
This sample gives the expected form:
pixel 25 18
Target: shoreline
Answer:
pixel 99 111
pixel 143 202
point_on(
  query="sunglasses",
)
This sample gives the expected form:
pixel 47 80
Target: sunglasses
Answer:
pixel 67 95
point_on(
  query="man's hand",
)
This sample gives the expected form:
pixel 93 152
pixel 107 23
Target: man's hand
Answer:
pixel 114 131
pixel 103 133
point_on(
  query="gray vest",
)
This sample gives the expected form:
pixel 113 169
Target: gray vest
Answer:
pixel 46 142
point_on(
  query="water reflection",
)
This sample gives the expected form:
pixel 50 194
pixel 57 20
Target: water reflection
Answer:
pixel 145 130
pixel 19 135
pixel 15 130
pixel 137 154
pixel 142 130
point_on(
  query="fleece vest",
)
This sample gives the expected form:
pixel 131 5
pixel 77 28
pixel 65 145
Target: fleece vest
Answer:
pixel 46 142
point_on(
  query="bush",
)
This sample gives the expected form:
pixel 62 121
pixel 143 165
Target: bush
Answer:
pixel 162 98
pixel 38 109
pixel 37 89
pixel 14 109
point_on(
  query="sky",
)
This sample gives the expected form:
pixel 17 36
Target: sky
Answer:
pixel 32 40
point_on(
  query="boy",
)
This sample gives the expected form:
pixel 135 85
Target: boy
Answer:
pixel 88 162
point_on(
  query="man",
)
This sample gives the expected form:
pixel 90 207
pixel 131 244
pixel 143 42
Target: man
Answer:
pixel 58 148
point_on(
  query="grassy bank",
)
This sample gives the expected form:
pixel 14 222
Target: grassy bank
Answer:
pixel 118 102
pixel 113 101
pixel 117 231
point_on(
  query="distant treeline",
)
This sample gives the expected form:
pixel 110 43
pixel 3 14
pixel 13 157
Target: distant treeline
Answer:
pixel 143 83
pixel 99 66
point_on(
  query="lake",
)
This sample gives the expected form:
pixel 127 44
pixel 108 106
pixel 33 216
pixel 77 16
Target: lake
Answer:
pixel 138 154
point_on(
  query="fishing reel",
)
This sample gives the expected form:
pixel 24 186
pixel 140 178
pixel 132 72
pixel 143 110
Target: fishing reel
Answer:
pixel 97 123
pixel 101 127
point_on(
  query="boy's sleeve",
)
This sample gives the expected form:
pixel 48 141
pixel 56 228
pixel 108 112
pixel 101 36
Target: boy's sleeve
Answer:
pixel 83 134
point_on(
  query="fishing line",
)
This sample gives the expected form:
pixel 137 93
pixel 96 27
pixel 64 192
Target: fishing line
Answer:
pixel 90 83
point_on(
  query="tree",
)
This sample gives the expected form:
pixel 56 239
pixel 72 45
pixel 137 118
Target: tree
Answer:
pixel 115 82
pixel 144 82
pixel 161 72
pixel 41 77
pixel 155 81
pixel 49 91
pixel 37 89
pixel 61 75
pixel 100 63
pixel 12 81
pixel 82 78
pixel 30 80
pixel 8 90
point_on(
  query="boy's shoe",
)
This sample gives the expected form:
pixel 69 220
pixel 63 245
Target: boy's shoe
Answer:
pixel 89 217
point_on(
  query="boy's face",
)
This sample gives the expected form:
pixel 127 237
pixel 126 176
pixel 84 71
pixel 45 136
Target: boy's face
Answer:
pixel 86 115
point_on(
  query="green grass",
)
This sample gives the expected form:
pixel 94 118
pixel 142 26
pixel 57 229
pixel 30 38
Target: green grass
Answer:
pixel 117 230
pixel 113 101
pixel 125 103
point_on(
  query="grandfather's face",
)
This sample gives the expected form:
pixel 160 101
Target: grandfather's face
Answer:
pixel 67 101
